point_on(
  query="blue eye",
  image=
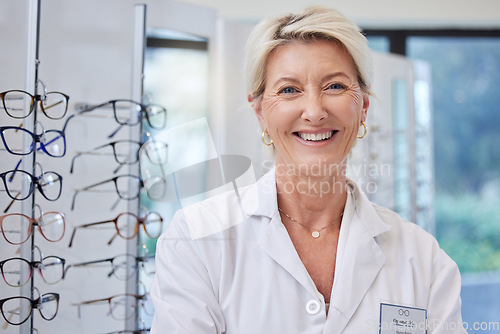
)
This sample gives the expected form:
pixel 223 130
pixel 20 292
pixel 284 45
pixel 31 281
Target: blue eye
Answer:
pixel 337 86
pixel 288 90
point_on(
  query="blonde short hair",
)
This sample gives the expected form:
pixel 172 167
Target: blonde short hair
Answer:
pixel 313 23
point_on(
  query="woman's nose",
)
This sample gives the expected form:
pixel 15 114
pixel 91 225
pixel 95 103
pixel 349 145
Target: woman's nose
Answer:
pixel 313 110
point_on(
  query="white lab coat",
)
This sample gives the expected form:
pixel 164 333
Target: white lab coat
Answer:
pixel 227 265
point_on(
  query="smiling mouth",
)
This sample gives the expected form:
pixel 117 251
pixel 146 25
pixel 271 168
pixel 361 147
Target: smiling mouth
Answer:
pixel 316 137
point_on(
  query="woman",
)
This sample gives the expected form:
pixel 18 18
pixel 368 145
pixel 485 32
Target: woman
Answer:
pixel 312 255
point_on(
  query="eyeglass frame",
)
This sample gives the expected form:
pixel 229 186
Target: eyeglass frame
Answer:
pixel 85 108
pixel 33 222
pixel 36 139
pixel 34 303
pixel 34 179
pixel 112 144
pixel 143 111
pixel 142 148
pixel 131 331
pixel 113 179
pixel 34 99
pixel 33 265
pixel 140 221
pixel 108 299
pixel 138 259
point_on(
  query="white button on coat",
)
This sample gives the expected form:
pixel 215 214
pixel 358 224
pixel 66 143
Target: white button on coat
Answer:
pixel 313 307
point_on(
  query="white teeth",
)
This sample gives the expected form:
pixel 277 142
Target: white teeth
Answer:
pixel 316 137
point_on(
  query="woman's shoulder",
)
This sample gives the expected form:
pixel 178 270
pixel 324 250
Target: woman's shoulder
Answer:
pixel 234 204
pixel 410 240
pixel 402 227
pixel 216 213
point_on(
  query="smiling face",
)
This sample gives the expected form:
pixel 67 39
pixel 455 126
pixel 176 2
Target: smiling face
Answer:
pixel 312 105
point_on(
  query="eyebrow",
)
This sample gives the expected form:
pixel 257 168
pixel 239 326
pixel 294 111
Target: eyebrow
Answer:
pixel 335 74
pixel 324 78
pixel 286 79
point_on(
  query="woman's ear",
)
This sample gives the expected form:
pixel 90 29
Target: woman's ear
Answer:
pixel 257 108
pixel 366 104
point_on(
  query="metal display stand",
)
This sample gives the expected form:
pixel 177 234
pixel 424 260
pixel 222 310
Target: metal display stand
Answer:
pixel 27 207
pixel 136 95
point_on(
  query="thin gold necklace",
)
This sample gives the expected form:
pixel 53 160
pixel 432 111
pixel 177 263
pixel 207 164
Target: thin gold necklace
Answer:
pixel 315 234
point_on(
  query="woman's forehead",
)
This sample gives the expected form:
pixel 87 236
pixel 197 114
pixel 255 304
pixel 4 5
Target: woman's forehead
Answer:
pixel 298 58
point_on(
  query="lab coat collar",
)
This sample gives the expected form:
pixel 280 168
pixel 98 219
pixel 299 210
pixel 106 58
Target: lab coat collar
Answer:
pixel 365 211
pixel 268 203
pixel 267 194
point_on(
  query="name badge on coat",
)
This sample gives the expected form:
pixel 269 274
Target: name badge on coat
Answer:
pixel 397 319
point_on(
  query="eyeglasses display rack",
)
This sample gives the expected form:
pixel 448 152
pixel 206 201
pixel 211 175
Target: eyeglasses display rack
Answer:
pixel 34 156
pixel 23 136
pixel 32 65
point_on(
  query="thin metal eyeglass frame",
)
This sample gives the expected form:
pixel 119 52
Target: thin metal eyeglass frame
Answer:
pixel 85 108
pixel 107 300
pixel 113 179
pixel 113 145
pixel 143 111
pixel 139 260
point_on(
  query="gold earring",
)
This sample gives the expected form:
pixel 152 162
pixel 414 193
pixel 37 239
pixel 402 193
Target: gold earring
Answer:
pixel 264 138
pixel 364 134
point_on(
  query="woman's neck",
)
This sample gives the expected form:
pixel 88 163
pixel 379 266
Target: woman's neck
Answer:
pixel 312 197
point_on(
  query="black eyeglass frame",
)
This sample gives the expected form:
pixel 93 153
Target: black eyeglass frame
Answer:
pixel 34 180
pixel 33 265
pixel 138 259
pixel 36 303
pixel 113 145
pixel 114 180
pixel 143 111
pixel 34 99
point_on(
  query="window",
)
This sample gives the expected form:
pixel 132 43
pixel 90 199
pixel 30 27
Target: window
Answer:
pixel 465 71
pixel 378 43
pixel 176 77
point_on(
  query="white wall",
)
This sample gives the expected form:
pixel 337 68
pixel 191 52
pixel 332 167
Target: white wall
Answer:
pixel 374 14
